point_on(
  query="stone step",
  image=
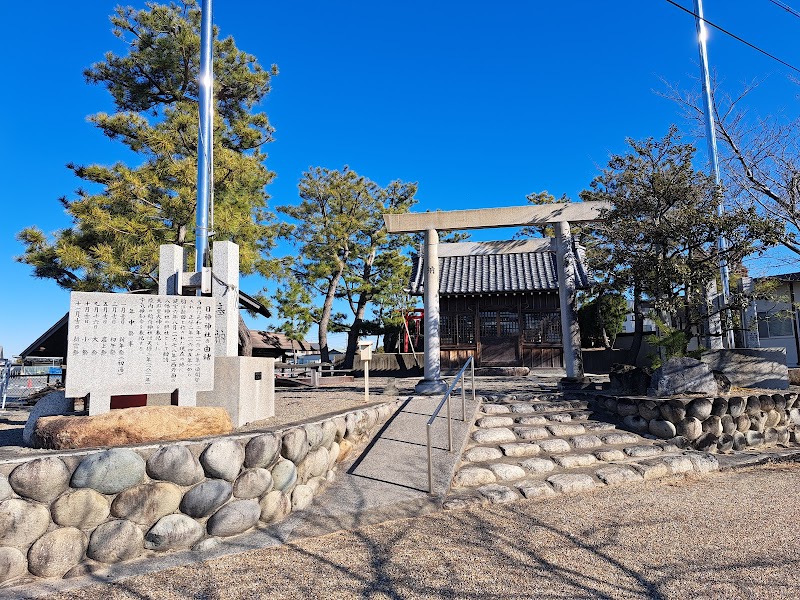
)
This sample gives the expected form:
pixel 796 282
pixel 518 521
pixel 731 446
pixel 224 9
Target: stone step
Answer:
pixel 541 480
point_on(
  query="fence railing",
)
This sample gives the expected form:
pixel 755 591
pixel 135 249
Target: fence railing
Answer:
pixel 446 400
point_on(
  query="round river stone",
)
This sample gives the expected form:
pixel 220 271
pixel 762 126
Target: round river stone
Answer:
pixel 295 444
pixel 147 503
pixel 109 472
pixel 22 522
pixel 12 564
pixel 176 464
pixel 252 483
pixel 173 532
pixel 284 475
pixel 83 509
pixel 42 479
pixel 234 518
pixel 275 506
pixel 55 553
pixel 262 451
pixel 223 459
pixel 204 498
pixel 115 541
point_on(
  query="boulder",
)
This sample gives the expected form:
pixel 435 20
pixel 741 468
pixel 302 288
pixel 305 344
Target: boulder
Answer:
pixel 176 464
pixel 115 541
pixel 284 475
pixel 262 451
pixel 295 444
pixel 673 411
pixel 635 423
pixel 205 498
pixel 629 379
pixel 742 423
pixel 173 532
pixel 707 441
pixel 84 509
pixel 753 406
pixel 728 424
pixel 682 375
pixel 54 403
pixel 690 428
pixel 275 506
pixel 662 429
pixel 12 564
pixel 780 402
pixel 739 441
pixel 713 425
pixel 473 476
pixel 42 479
pixel 772 418
pixel 314 436
pixel 21 522
pixel 109 472
pixel 55 553
pixel 736 406
pixel 627 406
pixel 302 495
pixel 223 459
pixel 252 483
pixel 234 518
pixel 147 503
pixel 720 406
pixel 699 408
pixel 767 403
pixel 131 426
pixel 649 410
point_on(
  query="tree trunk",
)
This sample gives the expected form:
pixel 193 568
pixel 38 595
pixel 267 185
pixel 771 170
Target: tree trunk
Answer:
pixel 245 343
pixel 638 331
pixel 355 330
pixel 325 318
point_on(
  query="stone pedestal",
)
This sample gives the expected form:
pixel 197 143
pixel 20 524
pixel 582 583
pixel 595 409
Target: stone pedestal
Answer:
pixel 244 386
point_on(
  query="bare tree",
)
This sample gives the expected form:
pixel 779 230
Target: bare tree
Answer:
pixel 759 156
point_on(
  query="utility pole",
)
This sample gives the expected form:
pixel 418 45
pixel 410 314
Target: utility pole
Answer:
pixel 205 143
pixel 711 138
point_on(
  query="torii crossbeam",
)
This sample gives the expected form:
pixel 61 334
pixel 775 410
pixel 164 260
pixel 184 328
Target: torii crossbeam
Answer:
pixel 558 214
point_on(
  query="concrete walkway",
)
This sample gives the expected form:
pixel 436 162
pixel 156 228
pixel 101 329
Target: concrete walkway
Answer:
pixel 389 479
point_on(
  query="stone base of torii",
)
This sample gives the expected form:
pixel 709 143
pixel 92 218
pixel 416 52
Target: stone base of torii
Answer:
pixel 560 215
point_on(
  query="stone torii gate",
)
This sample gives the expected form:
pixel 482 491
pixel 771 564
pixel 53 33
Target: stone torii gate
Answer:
pixel 559 214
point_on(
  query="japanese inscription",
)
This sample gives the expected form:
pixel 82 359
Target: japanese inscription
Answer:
pixel 134 344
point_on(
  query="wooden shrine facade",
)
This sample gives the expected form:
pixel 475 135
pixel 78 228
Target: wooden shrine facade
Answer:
pixel 500 302
pixel 501 330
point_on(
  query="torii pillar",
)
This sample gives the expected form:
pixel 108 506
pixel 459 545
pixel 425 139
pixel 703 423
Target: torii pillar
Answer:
pixel 561 214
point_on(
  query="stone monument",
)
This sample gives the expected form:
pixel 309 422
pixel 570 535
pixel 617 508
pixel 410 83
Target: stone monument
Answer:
pixel 170 343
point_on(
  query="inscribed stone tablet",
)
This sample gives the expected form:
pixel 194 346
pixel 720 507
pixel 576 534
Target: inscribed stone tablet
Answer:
pixel 137 344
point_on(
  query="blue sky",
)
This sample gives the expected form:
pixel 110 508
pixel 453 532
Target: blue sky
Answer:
pixel 481 103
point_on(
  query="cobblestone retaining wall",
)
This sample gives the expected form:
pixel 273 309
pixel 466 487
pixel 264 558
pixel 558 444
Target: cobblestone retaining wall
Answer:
pixel 69 514
pixel 723 423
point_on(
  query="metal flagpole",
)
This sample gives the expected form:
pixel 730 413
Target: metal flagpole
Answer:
pixel 205 146
pixel 711 138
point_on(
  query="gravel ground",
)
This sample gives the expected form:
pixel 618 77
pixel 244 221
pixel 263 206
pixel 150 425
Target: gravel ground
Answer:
pixel 728 535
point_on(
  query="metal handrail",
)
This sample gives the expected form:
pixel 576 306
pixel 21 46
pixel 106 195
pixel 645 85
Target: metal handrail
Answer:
pixel 470 363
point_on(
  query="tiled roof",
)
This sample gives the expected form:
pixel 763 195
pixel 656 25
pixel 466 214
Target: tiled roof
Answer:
pixel 497 267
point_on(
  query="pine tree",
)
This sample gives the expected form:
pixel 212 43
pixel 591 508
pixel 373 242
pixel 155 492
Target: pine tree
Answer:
pixel 126 211
pixel 344 251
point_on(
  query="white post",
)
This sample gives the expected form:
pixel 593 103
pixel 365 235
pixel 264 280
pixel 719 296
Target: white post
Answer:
pixel 567 290
pixel 225 290
pixel 366 381
pixel 432 382
pixel 170 269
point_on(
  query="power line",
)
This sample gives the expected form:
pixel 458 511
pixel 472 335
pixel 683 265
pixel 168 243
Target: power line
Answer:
pixel 786 7
pixel 734 36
